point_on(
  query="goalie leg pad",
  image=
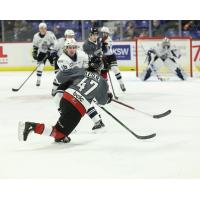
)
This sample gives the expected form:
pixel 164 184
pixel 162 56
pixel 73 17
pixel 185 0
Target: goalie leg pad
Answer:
pixel 146 74
pixel 179 74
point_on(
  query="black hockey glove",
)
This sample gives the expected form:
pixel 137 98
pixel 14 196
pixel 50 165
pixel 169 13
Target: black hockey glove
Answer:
pixel 34 54
pixel 53 54
pixel 110 97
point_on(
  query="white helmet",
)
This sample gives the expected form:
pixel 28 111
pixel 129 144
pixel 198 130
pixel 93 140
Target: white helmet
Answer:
pixel 70 42
pixel 166 42
pixel 69 32
pixel 105 30
pixel 42 25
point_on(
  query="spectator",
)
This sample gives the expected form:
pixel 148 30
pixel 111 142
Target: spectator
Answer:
pixel 130 32
pixel 144 33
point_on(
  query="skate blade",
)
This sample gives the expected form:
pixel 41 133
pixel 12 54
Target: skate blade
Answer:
pixel 21 126
pixel 99 130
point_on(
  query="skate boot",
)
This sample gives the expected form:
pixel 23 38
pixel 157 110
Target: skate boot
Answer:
pixel 66 139
pixel 122 87
pixel 24 129
pixel 98 125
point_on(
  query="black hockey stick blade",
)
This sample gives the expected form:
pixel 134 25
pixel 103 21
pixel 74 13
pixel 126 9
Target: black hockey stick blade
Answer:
pixel 15 90
pixel 143 137
pixel 162 114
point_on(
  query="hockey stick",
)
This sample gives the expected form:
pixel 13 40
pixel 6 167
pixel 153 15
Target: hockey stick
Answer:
pixel 137 136
pixel 17 89
pixel 112 86
pixel 154 116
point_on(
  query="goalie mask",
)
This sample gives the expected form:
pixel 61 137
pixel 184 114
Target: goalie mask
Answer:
pixel 166 43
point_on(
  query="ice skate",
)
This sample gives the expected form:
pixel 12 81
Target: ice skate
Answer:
pixel 24 130
pixel 66 139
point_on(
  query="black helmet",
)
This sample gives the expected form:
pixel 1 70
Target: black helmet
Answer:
pixel 95 63
pixel 94 30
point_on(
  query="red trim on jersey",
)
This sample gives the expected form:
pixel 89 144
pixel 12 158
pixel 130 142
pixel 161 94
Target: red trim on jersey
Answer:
pixel 104 75
pixel 57 134
pixel 39 128
pixel 75 103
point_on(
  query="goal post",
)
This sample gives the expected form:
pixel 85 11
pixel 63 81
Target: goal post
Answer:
pixel 184 44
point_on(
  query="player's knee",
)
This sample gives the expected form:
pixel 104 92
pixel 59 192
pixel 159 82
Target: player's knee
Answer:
pixel 56 133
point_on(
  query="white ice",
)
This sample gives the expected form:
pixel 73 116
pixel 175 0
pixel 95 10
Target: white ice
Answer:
pixel 113 153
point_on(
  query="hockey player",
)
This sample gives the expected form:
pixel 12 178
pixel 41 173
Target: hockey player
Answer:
pixel 44 47
pixel 61 41
pixel 75 97
pixel 70 59
pixel 92 47
pixel 168 55
pixel 110 61
pixel 69 34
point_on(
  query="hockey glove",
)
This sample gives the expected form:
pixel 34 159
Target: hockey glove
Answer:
pixel 53 54
pixel 34 54
pixel 110 97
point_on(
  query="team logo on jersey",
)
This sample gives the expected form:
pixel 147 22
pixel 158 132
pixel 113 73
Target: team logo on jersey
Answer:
pixel 122 52
pixel 78 96
pixel 3 56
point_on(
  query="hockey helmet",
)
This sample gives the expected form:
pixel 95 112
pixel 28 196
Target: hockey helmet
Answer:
pixel 94 31
pixel 95 63
pixel 105 30
pixel 166 42
pixel 42 25
pixel 70 42
pixel 69 32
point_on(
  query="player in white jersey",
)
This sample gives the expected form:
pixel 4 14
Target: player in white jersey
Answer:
pixel 72 58
pixel 44 47
pixel 61 41
pixel 168 55
pixel 110 60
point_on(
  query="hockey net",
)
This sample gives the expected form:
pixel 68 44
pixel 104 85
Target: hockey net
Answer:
pixel 184 44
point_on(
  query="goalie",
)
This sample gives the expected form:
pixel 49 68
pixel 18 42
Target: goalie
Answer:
pixel 166 54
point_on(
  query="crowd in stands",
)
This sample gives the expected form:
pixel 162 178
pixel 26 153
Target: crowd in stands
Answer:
pixel 23 30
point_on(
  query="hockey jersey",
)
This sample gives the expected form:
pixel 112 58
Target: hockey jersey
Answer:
pixel 45 43
pixel 107 46
pixel 60 46
pixel 65 62
pixel 92 48
pixel 85 86
pixel 162 53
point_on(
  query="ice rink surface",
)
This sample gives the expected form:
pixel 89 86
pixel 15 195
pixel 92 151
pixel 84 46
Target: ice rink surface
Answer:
pixel 113 152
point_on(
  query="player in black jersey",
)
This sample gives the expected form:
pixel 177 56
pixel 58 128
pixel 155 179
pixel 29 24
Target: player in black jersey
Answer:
pixel 75 97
